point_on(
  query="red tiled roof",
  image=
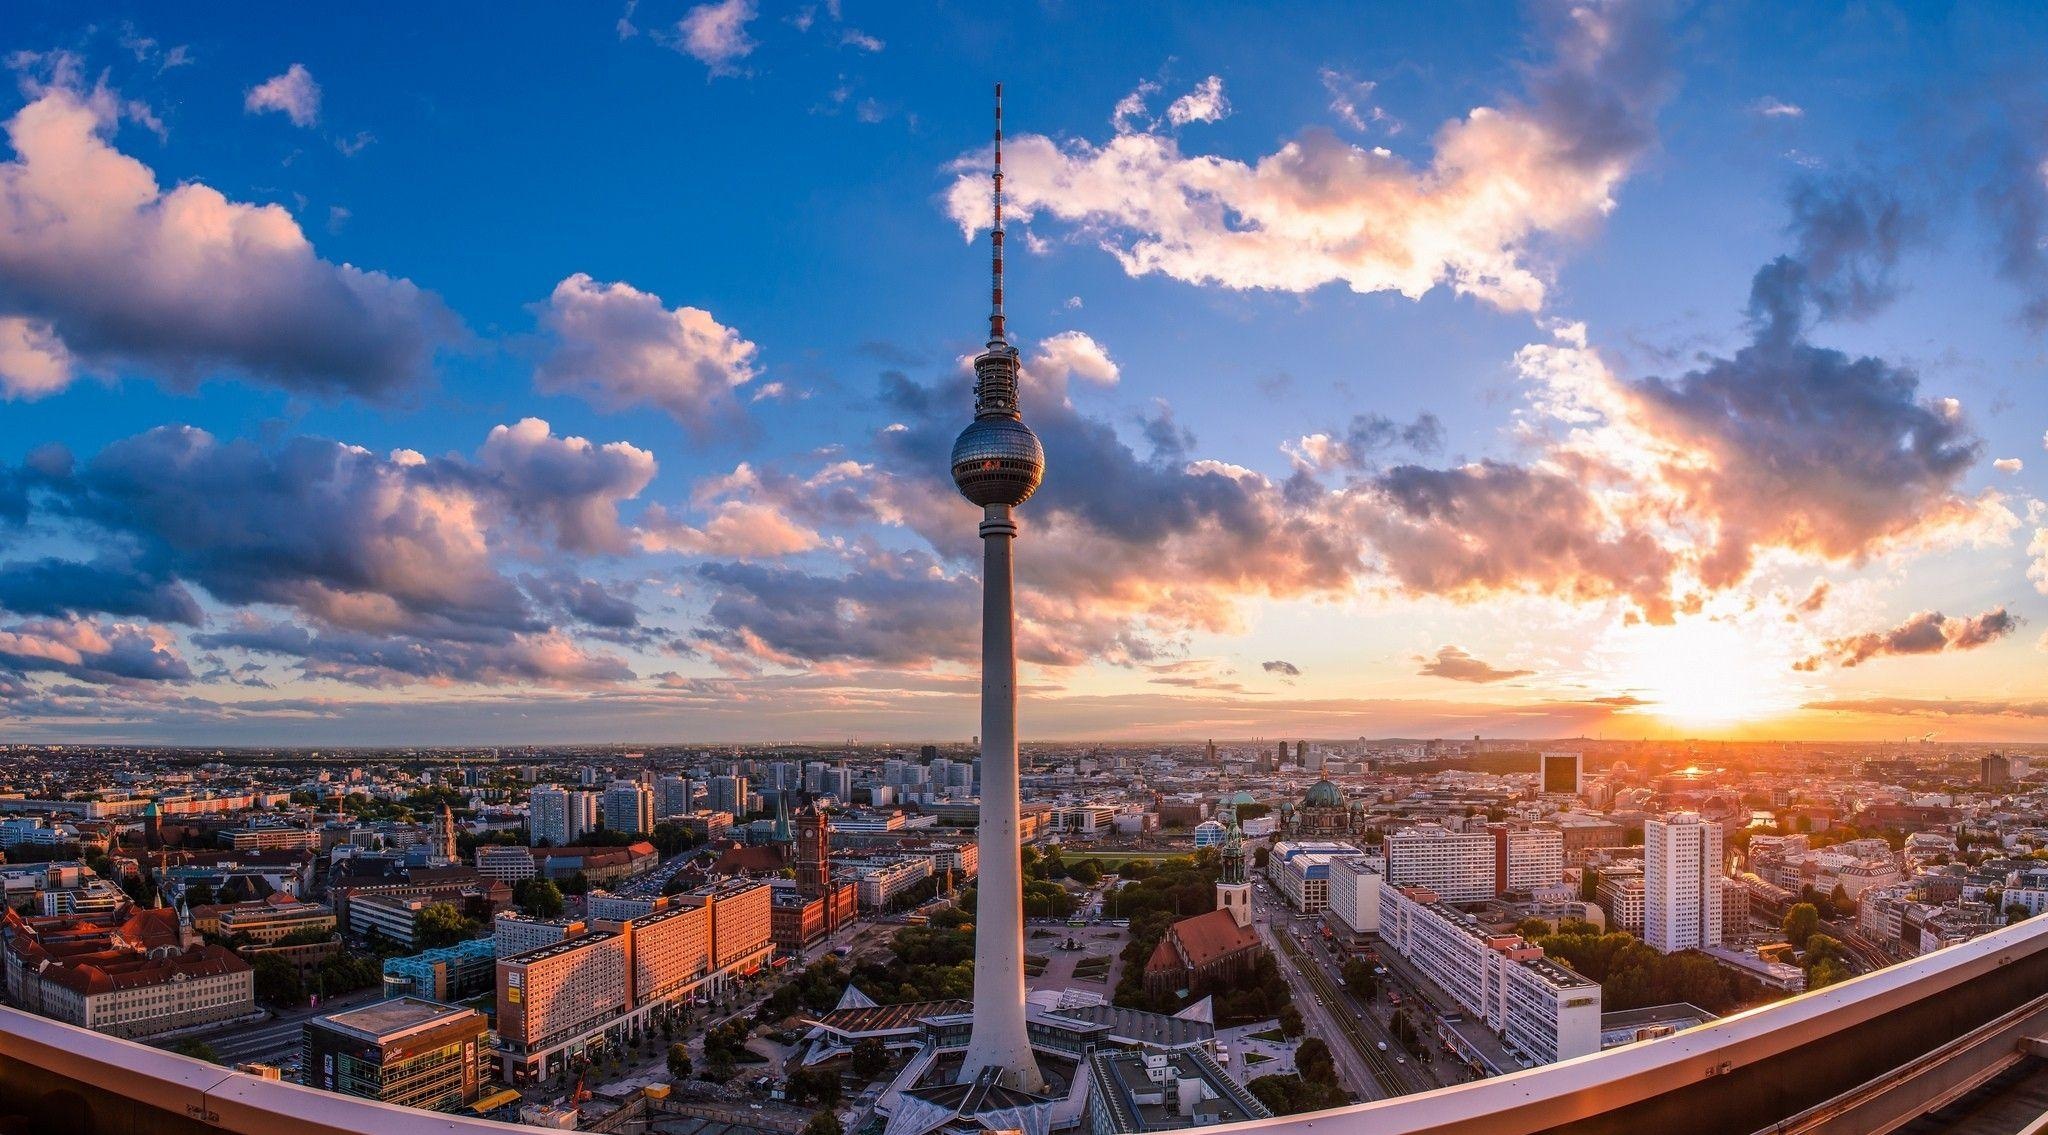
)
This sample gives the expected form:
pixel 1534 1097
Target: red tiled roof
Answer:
pixel 1207 937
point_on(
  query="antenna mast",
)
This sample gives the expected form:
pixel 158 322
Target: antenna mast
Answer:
pixel 995 317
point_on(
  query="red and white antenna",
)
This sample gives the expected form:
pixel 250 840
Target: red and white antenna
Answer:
pixel 995 315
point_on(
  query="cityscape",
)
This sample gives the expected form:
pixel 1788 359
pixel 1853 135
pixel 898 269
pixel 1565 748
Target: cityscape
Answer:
pixel 938 704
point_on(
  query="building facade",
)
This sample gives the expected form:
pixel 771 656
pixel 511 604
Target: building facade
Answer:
pixel 1682 868
pixel 407 1051
pixel 1545 1011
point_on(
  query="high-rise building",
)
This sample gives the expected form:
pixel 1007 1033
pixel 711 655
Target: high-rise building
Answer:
pixel 997 464
pixel 728 794
pixel 1562 773
pixel 406 1051
pixel 629 807
pixel 560 816
pixel 1681 882
pixel 1456 866
pixel 1995 770
pixel 672 797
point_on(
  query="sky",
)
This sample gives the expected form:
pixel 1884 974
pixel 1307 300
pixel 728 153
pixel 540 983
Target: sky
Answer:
pixel 581 373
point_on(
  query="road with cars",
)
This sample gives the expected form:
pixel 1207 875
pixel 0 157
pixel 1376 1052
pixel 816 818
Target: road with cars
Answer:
pixel 1381 1066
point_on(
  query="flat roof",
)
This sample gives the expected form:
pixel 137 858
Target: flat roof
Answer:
pixel 385 1020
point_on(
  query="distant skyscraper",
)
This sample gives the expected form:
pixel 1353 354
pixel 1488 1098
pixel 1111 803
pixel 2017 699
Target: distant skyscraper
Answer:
pixel 1561 773
pixel 997 464
pixel 1300 753
pixel 1280 757
pixel 671 796
pixel 729 794
pixel 1995 770
pixel 1212 752
pixel 1681 883
pixel 559 816
pixel 629 807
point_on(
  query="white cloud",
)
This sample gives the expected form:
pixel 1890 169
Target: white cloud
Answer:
pixel 1070 355
pixel 1205 103
pixel 1320 210
pixel 1131 107
pixel 856 38
pixel 2008 465
pixel 185 283
pixel 33 361
pixel 293 94
pixel 716 34
pixel 618 347
pixel 1769 107
pixel 1352 102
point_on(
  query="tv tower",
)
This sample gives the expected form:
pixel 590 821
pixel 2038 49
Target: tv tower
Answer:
pixel 997 464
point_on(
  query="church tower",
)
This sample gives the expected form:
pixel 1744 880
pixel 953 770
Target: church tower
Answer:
pixel 444 835
pixel 813 863
pixel 1233 889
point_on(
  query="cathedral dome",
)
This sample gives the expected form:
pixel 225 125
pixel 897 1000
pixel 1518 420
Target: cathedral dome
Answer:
pixel 1323 794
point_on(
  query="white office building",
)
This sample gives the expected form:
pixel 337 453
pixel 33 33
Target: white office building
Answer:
pixel 1681 883
pixel 1534 860
pixel 1301 871
pixel 1457 866
pixel 1355 894
pixel 1538 1007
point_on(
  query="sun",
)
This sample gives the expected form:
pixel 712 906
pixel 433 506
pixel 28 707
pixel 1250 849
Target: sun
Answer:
pixel 1702 673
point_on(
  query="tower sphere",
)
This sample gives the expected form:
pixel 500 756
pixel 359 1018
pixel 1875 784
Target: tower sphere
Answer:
pixel 998 461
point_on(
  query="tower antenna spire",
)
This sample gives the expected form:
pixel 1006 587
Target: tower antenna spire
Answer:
pixel 996 330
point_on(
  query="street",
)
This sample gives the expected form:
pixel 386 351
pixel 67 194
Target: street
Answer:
pixel 276 1040
pixel 1353 1032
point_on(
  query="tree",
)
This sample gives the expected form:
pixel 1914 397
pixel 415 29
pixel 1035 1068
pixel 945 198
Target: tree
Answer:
pixel 538 897
pixel 806 1085
pixel 1260 855
pixel 440 924
pixel 1290 1021
pixel 198 894
pixel 678 1062
pixel 1801 922
pixel 824 1121
pixel 870 1058
pixel 1312 1059
pixel 1360 980
pixel 196 1049
pixel 1826 973
pixel 277 981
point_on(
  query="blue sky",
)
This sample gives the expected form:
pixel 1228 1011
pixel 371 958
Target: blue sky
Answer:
pixel 1511 248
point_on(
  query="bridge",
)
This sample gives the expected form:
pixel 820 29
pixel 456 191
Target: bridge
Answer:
pixel 1959 1032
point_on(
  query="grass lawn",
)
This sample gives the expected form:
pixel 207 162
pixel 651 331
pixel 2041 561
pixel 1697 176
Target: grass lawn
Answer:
pixel 1112 860
pixel 1270 1036
pixel 1254 1059
pixel 1093 969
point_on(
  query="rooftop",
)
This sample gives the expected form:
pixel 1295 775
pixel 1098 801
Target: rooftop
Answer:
pixel 386 1020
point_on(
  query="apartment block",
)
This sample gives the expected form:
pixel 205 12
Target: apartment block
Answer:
pixel 1543 1010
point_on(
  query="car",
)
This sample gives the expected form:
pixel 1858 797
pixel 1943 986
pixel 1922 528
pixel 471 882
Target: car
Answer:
pixel 1400 1060
pixel 1382 1046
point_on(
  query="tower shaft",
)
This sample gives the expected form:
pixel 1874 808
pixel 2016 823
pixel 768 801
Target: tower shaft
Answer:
pixel 998 1038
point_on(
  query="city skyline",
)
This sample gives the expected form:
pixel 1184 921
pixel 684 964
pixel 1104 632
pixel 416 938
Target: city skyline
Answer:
pixel 1598 370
